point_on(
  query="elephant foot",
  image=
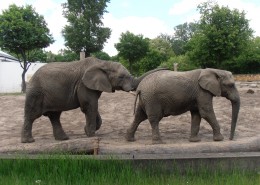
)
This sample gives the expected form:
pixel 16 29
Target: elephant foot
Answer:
pixel 61 137
pixel 157 141
pixel 130 137
pixel 89 132
pixel 194 139
pixel 218 137
pixel 27 140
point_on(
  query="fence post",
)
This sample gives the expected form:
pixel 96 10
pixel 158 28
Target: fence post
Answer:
pixel 82 55
pixel 175 66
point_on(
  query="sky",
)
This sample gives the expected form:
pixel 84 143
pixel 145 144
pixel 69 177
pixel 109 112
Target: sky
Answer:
pixel 147 17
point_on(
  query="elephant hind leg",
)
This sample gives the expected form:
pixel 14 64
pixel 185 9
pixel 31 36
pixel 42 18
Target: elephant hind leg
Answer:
pixel 154 121
pixel 32 111
pixel 140 116
pixel 26 135
pixel 58 131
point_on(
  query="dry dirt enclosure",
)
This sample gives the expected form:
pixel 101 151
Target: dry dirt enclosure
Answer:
pixel 116 110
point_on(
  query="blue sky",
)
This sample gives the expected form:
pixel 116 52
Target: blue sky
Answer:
pixel 146 17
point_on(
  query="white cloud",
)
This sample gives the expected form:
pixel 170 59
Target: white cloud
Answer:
pixel 251 9
pixel 5 4
pixel 52 12
pixel 55 20
pixel 184 7
pixel 184 11
pixel 147 26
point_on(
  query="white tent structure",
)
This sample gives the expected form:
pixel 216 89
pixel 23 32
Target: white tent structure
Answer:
pixel 11 73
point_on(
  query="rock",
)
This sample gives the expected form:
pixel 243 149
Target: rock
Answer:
pixel 250 91
pixel 253 85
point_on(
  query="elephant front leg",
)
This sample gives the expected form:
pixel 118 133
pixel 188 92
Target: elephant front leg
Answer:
pixel 91 122
pixel 195 126
pixel 98 121
pixel 208 114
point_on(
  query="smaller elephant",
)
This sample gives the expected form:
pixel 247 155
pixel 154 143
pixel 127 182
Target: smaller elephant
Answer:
pixel 166 93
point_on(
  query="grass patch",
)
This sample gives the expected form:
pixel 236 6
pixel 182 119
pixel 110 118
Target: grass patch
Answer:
pixel 66 170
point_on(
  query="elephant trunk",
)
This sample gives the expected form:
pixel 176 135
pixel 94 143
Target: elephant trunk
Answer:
pixel 136 81
pixel 235 101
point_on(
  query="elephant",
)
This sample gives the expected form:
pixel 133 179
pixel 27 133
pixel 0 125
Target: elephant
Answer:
pixel 61 86
pixel 166 93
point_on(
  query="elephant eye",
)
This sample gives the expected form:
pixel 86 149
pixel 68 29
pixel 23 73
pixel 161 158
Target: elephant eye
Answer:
pixel 230 85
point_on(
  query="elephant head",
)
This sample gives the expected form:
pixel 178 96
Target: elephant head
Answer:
pixel 111 76
pixel 222 83
pixel 108 77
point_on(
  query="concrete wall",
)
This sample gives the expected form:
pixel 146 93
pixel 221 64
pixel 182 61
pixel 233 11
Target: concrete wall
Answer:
pixel 11 76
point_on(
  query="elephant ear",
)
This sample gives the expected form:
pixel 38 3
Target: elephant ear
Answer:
pixel 96 78
pixel 208 80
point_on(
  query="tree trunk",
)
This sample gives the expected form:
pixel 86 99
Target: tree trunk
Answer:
pixel 23 81
pixel 25 67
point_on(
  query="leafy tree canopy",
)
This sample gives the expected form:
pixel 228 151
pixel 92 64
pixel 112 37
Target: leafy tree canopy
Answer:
pixel 160 50
pixel 223 34
pixel 132 47
pixel 181 36
pixel 85 31
pixel 64 55
pixel 102 55
pixel 23 32
pixel 249 59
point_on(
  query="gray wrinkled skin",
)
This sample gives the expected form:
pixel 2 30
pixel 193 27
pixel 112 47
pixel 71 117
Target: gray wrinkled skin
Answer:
pixel 63 86
pixel 166 93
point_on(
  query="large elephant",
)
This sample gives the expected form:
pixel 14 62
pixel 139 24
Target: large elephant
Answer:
pixel 165 93
pixel 58 87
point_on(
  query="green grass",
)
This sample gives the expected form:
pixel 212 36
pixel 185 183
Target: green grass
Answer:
pixel 66 170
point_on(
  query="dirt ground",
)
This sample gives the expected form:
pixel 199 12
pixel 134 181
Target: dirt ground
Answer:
pixel 116 110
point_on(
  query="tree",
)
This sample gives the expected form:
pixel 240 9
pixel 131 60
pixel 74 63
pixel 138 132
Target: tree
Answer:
pixel 64 55
pixel 102 55
pixel 248 61
pixel 160 50
pixel 132 48
pixel 223 34
pixel 23 32
pixel 85 31
pixel 162 46
pixel 37 55
pixel 183 33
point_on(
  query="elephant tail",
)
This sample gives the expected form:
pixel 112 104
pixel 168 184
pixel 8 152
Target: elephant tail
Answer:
pixel 136 96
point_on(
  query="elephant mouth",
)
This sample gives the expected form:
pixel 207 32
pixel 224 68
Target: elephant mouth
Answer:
pixel 225 94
